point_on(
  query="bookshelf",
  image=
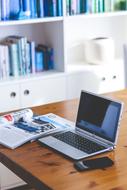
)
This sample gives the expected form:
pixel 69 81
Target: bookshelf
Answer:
pixel 65 34
pixel 71 73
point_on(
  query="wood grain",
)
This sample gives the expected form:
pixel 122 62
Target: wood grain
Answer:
pixel 42 168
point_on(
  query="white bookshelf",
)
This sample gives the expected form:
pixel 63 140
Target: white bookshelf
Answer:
pixel 66 35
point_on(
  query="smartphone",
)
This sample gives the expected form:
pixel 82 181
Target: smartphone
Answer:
pixel 96 163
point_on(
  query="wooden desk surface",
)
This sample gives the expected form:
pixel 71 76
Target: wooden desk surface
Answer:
pixel 44 169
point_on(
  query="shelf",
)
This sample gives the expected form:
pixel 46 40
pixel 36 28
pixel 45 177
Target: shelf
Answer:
pixel 30 21
pixel 44 75
pixel 83 66
pixel 96 15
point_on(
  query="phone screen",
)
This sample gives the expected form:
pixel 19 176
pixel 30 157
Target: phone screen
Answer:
pixel 96 163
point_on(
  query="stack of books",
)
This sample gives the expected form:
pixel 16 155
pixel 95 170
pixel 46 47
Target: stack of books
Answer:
pixel 95 6
pixel 18 57
pixel 26 9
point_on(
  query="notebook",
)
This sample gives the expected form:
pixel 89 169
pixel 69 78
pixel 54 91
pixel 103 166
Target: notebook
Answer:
pixel 96 128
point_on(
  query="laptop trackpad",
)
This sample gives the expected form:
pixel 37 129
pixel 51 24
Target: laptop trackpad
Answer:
pixel 63 147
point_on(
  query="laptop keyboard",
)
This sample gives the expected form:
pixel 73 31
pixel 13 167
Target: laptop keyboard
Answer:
pixel 79 142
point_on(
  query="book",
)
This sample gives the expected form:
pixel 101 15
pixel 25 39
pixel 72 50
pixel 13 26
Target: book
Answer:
pixel 40 8
pixel 14 9
pixel 5 9
pixel 4 61
pixel 33 8
pixel 59 8
pixel 26 8
pixel 32 56
pixel 28 54
pixel 39 64
pixel 84 6
pixel 17 128
pixel 44 49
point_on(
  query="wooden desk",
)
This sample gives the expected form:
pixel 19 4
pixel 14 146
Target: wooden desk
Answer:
pixel 44 169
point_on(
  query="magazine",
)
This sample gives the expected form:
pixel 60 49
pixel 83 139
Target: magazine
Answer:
pixel 17 128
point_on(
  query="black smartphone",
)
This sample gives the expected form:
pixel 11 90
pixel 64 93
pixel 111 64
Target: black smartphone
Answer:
pixel 96 163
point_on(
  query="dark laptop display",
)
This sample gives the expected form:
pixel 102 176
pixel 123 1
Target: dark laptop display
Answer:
pixel 98 115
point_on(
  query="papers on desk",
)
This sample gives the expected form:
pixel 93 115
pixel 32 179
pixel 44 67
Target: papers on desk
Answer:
pixel 18 128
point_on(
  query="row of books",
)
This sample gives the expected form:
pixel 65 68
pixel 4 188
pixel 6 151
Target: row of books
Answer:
pixel 26 9
pixel 95 6
pixel 18 57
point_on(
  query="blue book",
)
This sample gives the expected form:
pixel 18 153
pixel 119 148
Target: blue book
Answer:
pixel 32 56
pixel 33 7
pixel 14 9
pixel 39 61
pixel 50 58
pixel 26 8
pixel 5 9
pixel 44 49
pixel 46 8
pixel 78 6
pixel 54 7
pixel 40 8
pixel 59 8
pixel 84 6
pixel 28 64
pixel 50 8
pixel 101 6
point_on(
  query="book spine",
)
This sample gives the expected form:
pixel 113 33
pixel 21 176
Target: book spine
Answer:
pixel 13 53
pixel 73 7
pixel 51 58
pixel 67 7
pixel 6 51
pixel 26 8
pixel 39 61
pixel 33 7
pixel 40 8
pixel 59 8
pixel 32 56
pixel 23 52
pixel 107 6
pixel 14 9
pixel 46 7
pixel 4 61
pixel 84 6
pixel 113 5
pixel 54 7
pixel 5 12
pixel 101 6
pixel 78 7
pixel 28 65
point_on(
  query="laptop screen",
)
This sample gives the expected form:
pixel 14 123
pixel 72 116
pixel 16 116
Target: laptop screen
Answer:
pixel 98 115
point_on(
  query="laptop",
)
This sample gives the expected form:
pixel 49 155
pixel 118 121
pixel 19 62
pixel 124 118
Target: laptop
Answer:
pixel 95 131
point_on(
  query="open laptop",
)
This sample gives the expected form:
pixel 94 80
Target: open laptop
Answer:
pixel 96 128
